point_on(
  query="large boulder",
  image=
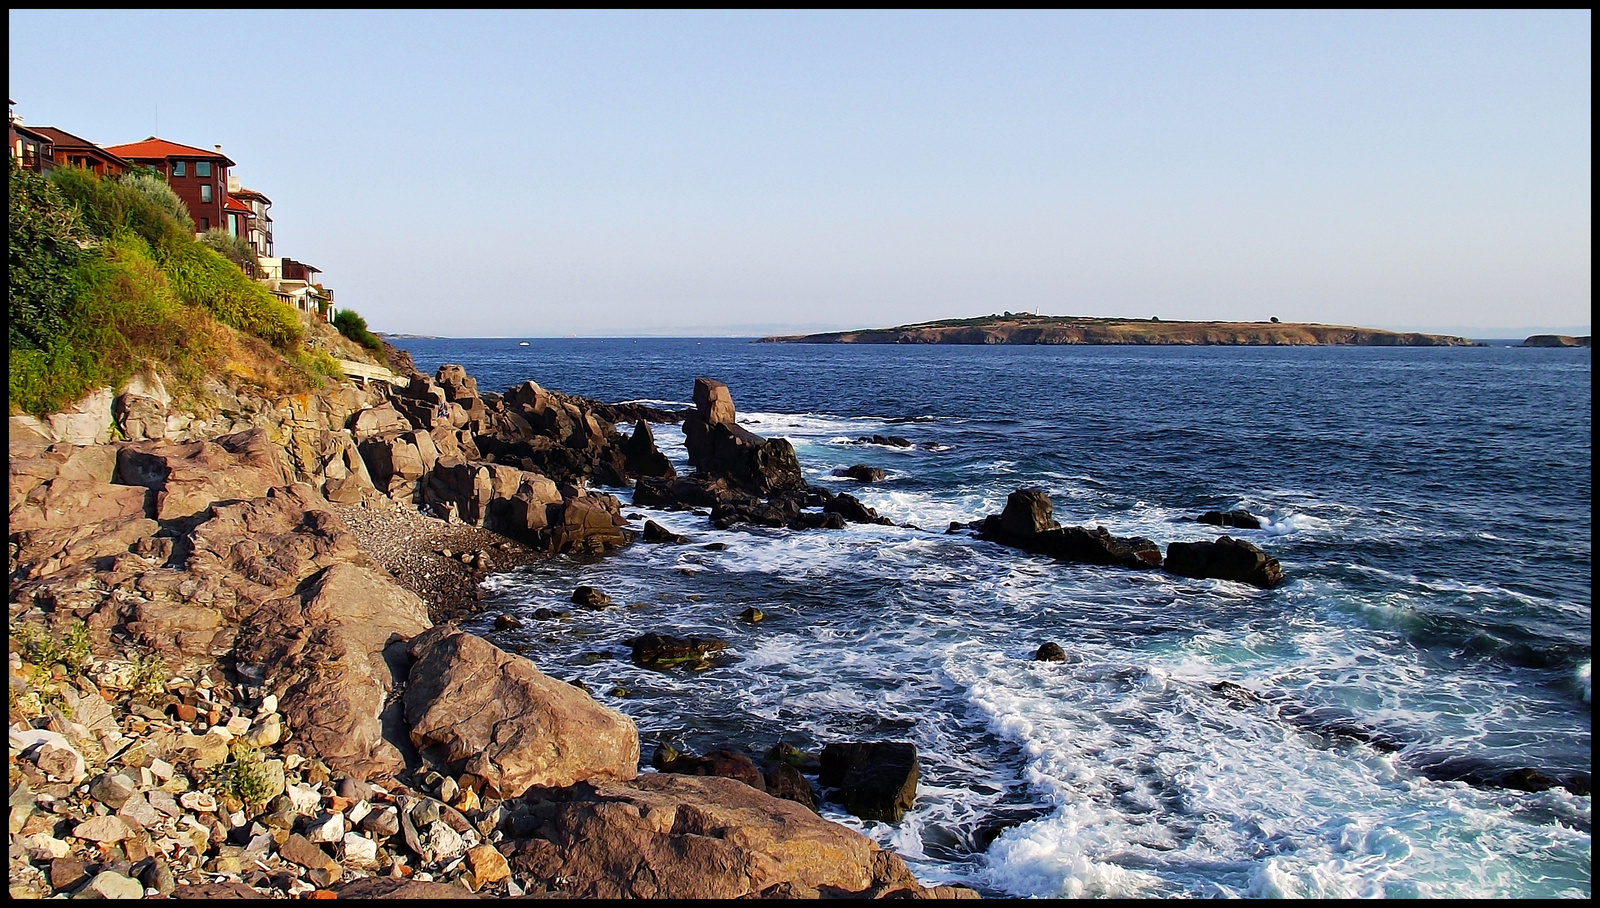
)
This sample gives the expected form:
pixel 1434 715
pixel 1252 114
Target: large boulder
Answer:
pixel 694 837
pixel 494 716
pixel 873 780
pixel 265 547
pixel 720 448
pixel 1097 546
pixel 1225 558
pixel 1027 523
pixel 324 650
pixel 1027 513
pixel 395 465
pixel 587 523
pixel 66 503
pixel 642 456
pixel 188 478
pixel 86 422
pixel 382 421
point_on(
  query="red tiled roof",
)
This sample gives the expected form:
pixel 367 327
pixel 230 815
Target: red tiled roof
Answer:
pixel 235 205
pixel 161 148
pixel 246 193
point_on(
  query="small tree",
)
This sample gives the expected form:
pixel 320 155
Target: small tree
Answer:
pixel 235 249
pixel 353 326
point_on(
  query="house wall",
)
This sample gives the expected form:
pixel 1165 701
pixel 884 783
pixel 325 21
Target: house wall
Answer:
pixel 207 215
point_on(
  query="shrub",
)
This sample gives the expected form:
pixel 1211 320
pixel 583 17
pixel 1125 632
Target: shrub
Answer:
pixel 44 235
pixel 243 779
pixel 353 326
pixel 235 249
pixel 139 201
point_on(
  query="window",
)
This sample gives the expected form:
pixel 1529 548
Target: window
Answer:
pixel 205 224
pixel 205 192
pixel 233 225
pixel 178 169
pixel 202 169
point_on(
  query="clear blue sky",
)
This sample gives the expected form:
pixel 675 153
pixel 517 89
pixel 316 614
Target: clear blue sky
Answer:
pixel 543 174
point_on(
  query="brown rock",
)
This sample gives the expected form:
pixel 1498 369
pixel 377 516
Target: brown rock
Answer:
pixel 496 716
pixel 672 836
pixel 343 618
pixel 1027 512
pixel 189 478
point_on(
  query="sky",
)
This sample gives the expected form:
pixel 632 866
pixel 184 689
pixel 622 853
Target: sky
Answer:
pixel 544 174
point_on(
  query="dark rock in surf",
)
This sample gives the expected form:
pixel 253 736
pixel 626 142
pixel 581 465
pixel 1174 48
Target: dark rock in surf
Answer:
pixel 888 441
pixel 1027 523
pixel 642 456
pixel 719 447
pixel 874 781
pixel 851 509
pixel 654 650
pixel 589 597
pixel 785 781
pixel 1027 513
pixel 1236 519
pixel 1225 558
pixel 1050 652
pixel 655 532
pixel 861 472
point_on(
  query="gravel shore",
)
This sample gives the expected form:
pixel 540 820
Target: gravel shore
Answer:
pixel 410 544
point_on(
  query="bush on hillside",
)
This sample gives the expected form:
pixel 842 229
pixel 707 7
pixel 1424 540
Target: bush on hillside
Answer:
pixel 353 326
pixel 137 201
pixel 235 249
pixel 44 233
pixel 105 276
pixel 201 277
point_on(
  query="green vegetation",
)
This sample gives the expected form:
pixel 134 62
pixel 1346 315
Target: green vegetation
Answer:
pixel 353 326
pixel 38 647
pixel 235 249
pixel 244 778
pixel 106 275
pixel 149 675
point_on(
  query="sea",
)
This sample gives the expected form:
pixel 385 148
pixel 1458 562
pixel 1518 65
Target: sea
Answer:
pixel 1431 509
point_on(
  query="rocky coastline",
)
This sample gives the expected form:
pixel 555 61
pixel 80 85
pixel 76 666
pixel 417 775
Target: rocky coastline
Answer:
pixel 235 670
pixel 1022 328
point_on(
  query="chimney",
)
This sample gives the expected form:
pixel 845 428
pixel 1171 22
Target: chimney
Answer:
pixel 219 149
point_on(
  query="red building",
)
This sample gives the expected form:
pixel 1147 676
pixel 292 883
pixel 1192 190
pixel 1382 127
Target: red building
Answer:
pixel 199 177
pixel 68 149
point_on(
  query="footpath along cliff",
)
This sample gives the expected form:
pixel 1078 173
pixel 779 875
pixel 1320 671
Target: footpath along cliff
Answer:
pixel 234 671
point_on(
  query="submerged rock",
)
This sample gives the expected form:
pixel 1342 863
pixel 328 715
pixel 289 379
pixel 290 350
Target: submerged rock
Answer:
pixel 661 650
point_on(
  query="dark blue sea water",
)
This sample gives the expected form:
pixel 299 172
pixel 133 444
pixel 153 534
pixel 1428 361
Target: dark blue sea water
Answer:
pixel 1430 507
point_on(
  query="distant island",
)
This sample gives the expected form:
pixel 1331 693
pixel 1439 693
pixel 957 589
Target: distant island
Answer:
pixel 1556 340
pixel 1023 328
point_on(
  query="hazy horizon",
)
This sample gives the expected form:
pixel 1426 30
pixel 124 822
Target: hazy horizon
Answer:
pixel 537 173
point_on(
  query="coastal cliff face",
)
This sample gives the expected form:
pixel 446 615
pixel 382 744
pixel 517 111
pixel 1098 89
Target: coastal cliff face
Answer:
pixel 234 674
pixel 1031 329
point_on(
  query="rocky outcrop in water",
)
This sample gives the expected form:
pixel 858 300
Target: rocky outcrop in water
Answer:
pixel 1027 523
pixel 742 478
pixel 1225 558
